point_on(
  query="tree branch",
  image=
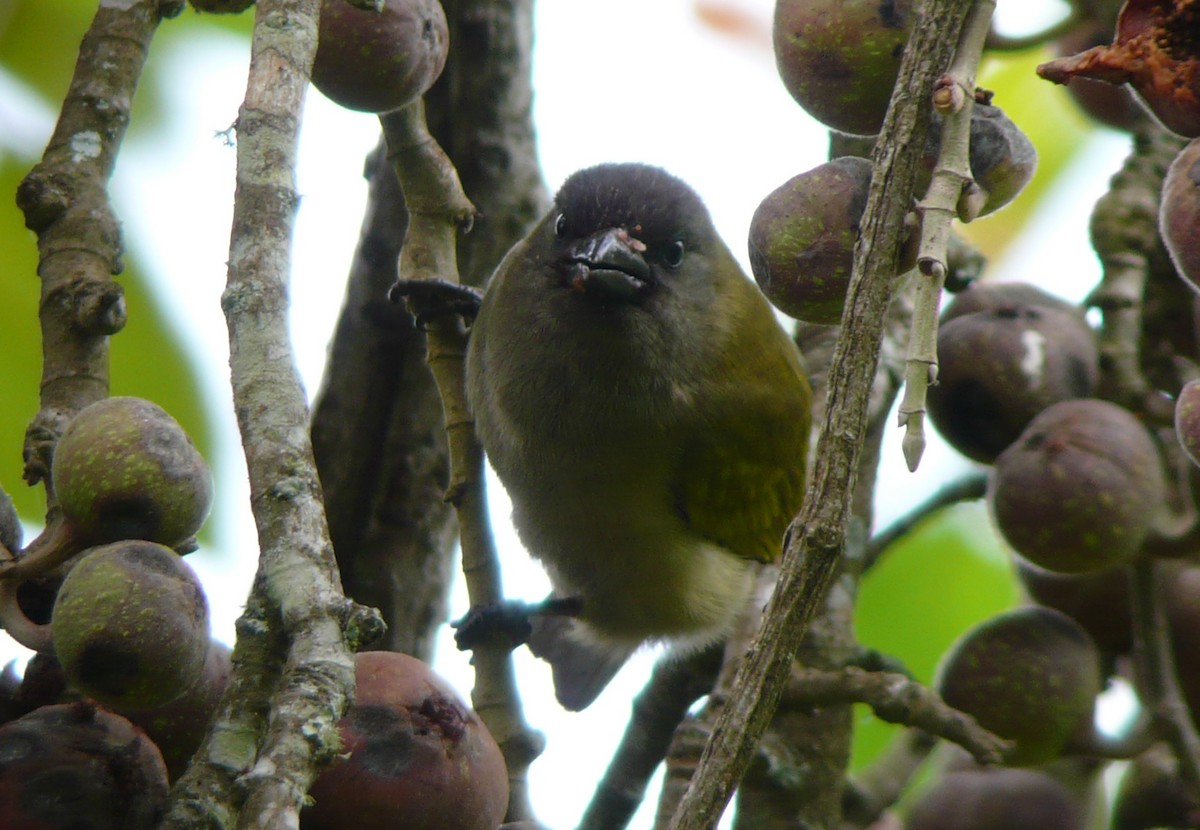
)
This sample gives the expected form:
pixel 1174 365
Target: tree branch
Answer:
pixel 65 202
pixel 817 536
pixel 294 659
pixel 437 210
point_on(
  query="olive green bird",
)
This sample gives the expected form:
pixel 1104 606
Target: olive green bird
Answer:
pixel 645 412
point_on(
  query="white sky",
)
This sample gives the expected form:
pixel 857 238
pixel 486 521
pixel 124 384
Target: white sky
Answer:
pixel 711 110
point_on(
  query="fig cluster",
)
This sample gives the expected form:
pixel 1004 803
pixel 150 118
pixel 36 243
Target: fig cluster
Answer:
pixel 127 675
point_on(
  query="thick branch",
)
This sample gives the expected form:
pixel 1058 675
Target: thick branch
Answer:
pixel 293 658
pixel 817 536
pixel 65 202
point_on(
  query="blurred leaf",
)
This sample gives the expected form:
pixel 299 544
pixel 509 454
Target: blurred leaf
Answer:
pixel 931 586
pixel 39 42
pixel 146 358
pixel 1050 119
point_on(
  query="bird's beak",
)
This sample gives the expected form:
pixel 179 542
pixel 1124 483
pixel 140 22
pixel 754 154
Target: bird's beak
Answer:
pixel 611 265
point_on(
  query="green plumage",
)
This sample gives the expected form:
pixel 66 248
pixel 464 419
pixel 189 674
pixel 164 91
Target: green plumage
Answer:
pixel 645 412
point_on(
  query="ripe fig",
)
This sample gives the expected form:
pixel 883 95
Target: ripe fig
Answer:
pixel 1079 489
pixel 1181 597
pixel 1187 419
pixel 1156 51
pixel 379 61
pixel 73 766
pixel 802 239
pixel 840 58
pixel 130 625
pixel 1179 213
pixel 996 799
pixel 418 758
pixel 1002 158
pixel 1098 601
pixel 124 469
pixel 999 368
pixel 1030 675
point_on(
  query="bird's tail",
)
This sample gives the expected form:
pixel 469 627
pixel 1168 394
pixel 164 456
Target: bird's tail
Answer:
pixel 581 666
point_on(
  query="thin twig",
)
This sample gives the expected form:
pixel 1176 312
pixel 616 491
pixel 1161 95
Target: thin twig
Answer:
pixel 897 699
pixel 951 188
pixel 438 209
pixel 968 488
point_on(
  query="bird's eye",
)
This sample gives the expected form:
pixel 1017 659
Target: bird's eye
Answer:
pixel 560 225
pixel 672 254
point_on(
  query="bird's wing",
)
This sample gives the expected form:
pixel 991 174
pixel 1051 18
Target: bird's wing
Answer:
pixel 741 476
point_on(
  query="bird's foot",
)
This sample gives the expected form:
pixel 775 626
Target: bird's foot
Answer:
pixel 508 622
pixel 430 300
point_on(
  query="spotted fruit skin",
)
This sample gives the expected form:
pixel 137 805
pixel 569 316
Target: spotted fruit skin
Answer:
pixel 131 625
pixel 1079 490
pixel 1030 675
pixel 802 239
pixel 74 765
pixel 999 367
pixel 1179 213
pixel 840 58
pixel 415 756
pixel 124 469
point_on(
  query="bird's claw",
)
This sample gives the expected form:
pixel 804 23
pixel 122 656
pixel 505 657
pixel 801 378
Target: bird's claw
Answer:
pixel 508 622
pixel 430 300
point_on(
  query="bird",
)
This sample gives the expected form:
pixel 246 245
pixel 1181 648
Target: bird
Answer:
pixel 646 413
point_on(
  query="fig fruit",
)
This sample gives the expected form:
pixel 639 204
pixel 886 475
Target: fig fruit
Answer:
pixel 417 757
pixel 802 239
pixel 1179 213
pixel 840 58
pixel 1100 601
pixel 999 368
pixel 996 799
pixel 379 61
pixel 130 625
pixel 124 469
pixel 990 295
pixel 1152 794
pixel 1187 419
pixel 1080 488
pixel 1002 158
pixel 73 766
pixel 11 532
pixel 1030 675
pixel 178 726
pixel 1156 51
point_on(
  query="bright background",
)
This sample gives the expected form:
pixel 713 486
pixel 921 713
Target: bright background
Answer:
pixel 702 100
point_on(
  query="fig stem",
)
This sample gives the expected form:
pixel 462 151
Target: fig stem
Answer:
pixel 951 177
